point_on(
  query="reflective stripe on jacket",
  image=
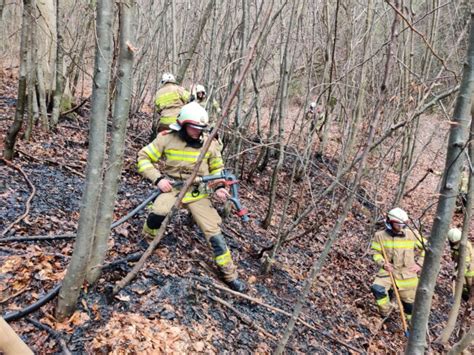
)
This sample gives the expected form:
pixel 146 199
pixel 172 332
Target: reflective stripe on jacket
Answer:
pixel 179 159
pixel 469 259
pixel 169 100
pixel 400 252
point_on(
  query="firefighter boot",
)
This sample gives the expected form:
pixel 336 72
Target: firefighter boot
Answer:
pixel 383 299
pixel 152 225
pixel 225 264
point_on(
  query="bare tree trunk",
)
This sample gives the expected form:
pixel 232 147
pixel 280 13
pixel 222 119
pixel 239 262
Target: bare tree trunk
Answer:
pixel 457 143
pixel 115 160
pixel 463 344
pixel 317 265
pixel 454 312
pixel 282 110
pixel 58 91
pixel 197 36
pixel 10 138
pixel 174 59
pixel 97 134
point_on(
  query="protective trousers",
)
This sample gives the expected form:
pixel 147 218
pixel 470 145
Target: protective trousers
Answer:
pixel 406 290
pixel 208 220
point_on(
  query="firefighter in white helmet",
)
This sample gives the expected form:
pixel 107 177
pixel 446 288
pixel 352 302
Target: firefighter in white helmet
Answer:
pixel 315 115
pixel 168 100
pixel 180 148
pixel 454 238
pixel 400 244
pixel 200 96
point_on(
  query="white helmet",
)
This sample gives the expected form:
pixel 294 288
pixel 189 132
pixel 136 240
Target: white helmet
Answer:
pixel 200 88
pixel 454 235
pixel 312 105
pixel 168 78
pixel 192 114
pixel 397 215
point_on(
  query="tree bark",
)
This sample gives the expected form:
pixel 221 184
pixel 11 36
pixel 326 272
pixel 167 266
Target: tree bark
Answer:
pixel 197 36
pixel 467 219
pixel 97 134
pixel 444 213
pixel 58 91
pixel 463 344
pixel 117 146
pixel 10 138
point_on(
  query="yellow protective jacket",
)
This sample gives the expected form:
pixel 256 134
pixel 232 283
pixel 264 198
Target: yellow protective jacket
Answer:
pixel 401 251
pixel 469 258
pixel 169 100
pixel 179 159
pixel 464 182
pixel 212 111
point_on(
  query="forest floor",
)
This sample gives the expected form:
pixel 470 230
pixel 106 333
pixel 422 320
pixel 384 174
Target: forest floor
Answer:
pixel 173 306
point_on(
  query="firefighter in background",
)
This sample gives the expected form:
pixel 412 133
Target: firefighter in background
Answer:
pixel 454 238
pixel 461 201
pixel 180 148
pixel 169 100
pixel 400 244
pixel 200 95
pixel 315 115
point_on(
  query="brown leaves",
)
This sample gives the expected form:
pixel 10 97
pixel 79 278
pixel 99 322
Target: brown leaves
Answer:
pixel 133 333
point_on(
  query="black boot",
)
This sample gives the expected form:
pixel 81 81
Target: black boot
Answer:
pixel 237 285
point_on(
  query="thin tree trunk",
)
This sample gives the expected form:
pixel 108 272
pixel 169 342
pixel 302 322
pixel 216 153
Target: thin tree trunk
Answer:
pixel 282 111
pixel 10 138
pixel 454 312
pixel 115 160
pixel 317 265
pixel 97 134
pixel 444 213
pixel 463 344
pixel 58 91
pixel 197 36
pixel 10 342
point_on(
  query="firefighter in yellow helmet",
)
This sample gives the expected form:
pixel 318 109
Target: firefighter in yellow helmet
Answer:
pixel 400 244
pixel 180 148
pixel 169 100
pixel 454 238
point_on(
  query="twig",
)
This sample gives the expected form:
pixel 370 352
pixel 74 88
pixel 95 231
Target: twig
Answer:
pixel 422 37
pixel 278 310
pixel 51 332
pixel 246 319
pixel 33 192
pixel 37 237
pixel 26 288
pixel 75 107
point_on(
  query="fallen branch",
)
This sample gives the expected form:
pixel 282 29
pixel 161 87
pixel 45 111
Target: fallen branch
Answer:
pixel 281 311
pixel 51 332
pixel 54 292
pixel 246 319
pixel 74 108
pixel 28 201
pixel 37 238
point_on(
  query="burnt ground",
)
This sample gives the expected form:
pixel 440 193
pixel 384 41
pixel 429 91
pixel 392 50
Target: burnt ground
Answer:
pixel 165 308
